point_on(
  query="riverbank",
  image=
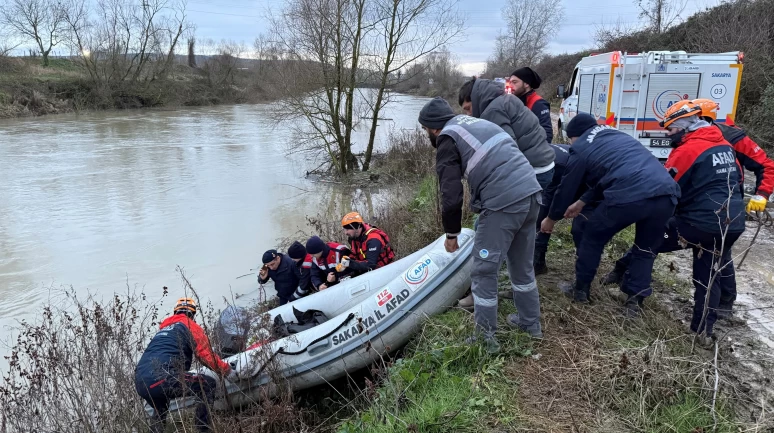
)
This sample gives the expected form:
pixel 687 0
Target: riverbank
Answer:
pixel 595 371
pixel 29 89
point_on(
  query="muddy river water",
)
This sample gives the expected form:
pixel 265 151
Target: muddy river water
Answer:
pixel 103 200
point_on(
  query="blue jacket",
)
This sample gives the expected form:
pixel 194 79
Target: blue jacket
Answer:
pixel 285 278
pixel 616 167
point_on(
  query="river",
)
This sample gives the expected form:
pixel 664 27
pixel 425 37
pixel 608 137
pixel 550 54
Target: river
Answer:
pixel 103 200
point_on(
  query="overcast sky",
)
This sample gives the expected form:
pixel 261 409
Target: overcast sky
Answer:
pixel 242 20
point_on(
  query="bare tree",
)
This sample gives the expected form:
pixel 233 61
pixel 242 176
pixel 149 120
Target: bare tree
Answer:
pixel 405 31
pixel 530 25
pixel 325 36
pixel 41 21
pixel 119 42
pixel 606 34
pixel 222 67
pixel 661 14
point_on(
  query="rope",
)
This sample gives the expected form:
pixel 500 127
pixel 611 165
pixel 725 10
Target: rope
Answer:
pixel 349 317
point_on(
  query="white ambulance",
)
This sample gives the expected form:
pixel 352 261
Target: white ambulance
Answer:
pixel 632 91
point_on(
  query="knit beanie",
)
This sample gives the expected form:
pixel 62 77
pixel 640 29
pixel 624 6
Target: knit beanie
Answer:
pixel 435 114
pixel 579 124
pixel 528 76
pixel 315 245
pixel 297 251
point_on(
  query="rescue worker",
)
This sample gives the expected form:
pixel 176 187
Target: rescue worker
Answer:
pixel 303 260
pixel 751 156
pixel 710 213
pixel 627 179
pixel 504 191
pixel 282 270
pixel 370 245
pixel 162 372
pixel 523 83
pixel 326 261
pixel 487 100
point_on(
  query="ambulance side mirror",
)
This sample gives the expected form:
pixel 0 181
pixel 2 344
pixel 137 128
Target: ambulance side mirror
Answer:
pixel 560 91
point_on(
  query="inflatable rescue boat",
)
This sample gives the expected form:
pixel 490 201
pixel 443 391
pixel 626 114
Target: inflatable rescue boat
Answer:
pixel 354 323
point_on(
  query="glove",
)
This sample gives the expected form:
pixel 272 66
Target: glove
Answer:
pixel 757 203
pixel 343 265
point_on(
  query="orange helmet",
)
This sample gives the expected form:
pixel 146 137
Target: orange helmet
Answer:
pixel 352 217
pixel 679 110
pixel 708 107
pixel 185 305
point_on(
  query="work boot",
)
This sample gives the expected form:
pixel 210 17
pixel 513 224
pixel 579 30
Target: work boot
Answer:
pixel 615 276
pixel 490 344
pixel 534 330
pixel 705 342
pixel 466 303
pixel 539 263
pixel 725 311
pixel 577 291
pixel 633 306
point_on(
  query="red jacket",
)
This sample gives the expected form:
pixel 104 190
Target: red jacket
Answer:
pixel 371 250
pixel 710 179
pixel 171 351
pixel 751 156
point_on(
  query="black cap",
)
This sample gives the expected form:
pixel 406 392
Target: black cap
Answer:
pixel 297 251
pixel 269 256
pixel 579 124
pixel 528 76
pixel 435 114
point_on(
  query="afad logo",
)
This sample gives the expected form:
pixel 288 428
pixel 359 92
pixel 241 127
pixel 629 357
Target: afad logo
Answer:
pixel 666 99
pixel 419 273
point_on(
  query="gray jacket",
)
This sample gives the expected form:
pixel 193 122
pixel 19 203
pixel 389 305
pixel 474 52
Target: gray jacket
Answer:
pixel 490 102
pixel 497 172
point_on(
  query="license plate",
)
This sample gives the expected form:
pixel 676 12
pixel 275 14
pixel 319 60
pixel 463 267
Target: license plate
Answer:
pixel 660 142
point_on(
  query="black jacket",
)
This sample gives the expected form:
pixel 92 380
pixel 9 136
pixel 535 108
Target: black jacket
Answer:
pixel 542 109
pixel 286 279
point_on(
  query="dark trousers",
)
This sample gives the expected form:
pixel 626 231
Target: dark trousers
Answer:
pixel 159 393
pixel 541 239
pixel 703 244
pixel 607 220
pixel 579 225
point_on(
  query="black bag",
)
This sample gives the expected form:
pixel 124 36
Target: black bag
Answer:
pixel 306 320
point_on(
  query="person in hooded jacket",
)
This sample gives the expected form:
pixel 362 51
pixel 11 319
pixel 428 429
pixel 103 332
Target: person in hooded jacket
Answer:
pixel 487 100
pixel 625 177
pixel 162 372
pixel 710 213
pixel 504 191
pixel 523 83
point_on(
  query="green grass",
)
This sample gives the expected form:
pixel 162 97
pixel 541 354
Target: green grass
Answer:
pixel 688 413
pixel 442 384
